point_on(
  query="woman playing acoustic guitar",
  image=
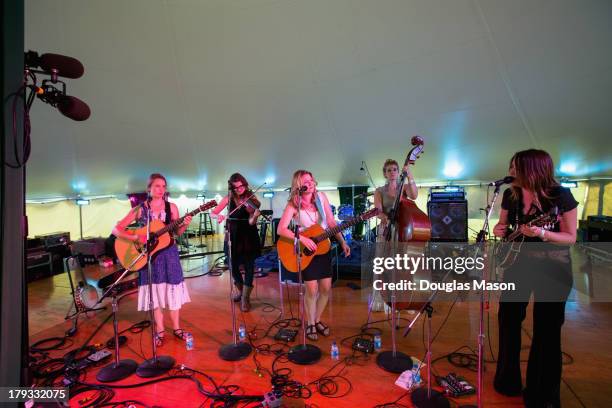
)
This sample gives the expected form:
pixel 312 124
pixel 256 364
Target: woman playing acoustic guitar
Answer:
pixel 317 276
pixel 169 289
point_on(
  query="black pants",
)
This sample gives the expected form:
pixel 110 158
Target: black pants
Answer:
pixel 249 270
pixel 550 282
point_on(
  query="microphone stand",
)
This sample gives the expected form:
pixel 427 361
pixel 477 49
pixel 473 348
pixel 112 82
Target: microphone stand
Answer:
pixel 302 354
pixel 157 365
pixel 428 398
pixel 480 240
pixel 394 361
pixel 236 350
pixel 119 369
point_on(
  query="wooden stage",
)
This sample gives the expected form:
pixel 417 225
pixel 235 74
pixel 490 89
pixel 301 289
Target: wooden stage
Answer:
pixel 587 373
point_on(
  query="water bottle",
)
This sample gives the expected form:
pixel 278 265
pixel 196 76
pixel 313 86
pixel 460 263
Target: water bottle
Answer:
pixel 242 332
pixel 377 342
pixel 416 375
pixel 188 341
pixel 335 353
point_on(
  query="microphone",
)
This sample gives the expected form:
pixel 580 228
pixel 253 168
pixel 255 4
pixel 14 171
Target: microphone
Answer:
pixel 505 180
pixel 302 189
pixel 74 108
pixel 69 106
pixel 55 64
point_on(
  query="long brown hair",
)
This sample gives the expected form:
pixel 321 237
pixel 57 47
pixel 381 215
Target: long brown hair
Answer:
pixel 296 183
pixel 235 178
pixel 534 171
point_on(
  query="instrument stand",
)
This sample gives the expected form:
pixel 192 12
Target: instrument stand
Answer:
pixel 77 309
pixel 302 354
pixel 428 398
pixel 201 244
pixel 157 365
pixel 236 350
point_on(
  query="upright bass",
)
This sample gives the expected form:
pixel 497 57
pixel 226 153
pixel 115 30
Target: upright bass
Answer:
pixel 411 224
pixel 406 219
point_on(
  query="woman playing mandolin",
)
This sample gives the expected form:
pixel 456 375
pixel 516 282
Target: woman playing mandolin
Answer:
pixel 169 289
pixel 541 269
pixel 244 236
pixel 315 209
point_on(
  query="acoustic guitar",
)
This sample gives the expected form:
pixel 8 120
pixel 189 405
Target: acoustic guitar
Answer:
pixel 320 237
pixel 132 255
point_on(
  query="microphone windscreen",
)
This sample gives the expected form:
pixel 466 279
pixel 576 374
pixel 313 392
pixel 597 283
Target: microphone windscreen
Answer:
pixel 74 108
pixel 67 67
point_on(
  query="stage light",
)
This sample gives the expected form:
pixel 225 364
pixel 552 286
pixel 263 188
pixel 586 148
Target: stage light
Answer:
pixel 201 196
pixel 82 201
pixel 452 169
pixel 451 188
pixel 268 194
pixel 568 168
pixel 569 184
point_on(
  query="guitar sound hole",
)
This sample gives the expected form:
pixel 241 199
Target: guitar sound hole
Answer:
pixel 308 252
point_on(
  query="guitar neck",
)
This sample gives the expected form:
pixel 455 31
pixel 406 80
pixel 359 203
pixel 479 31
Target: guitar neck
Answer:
pixel 175 224
pixel 329 232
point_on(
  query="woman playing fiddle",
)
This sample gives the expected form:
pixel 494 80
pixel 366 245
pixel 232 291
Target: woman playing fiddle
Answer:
pixel 244 236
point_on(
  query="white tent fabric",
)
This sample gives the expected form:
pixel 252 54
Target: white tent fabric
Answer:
pixel 199 89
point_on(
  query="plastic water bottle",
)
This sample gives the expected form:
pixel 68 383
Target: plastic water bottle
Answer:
pixel 242 332
pixel 377 342
pixel 416 375
pixel 188 341
pixel 335 352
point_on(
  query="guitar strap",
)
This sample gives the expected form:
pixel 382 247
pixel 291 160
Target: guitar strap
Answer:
pixel 167 210
pixel 168 213
pixel 322 217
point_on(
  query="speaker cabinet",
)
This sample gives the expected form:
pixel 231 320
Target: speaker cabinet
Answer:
pixel 448 220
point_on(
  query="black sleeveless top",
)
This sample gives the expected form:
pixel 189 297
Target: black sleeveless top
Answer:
pixel 245 238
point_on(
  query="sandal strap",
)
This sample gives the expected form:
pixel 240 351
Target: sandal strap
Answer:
pixel 324 328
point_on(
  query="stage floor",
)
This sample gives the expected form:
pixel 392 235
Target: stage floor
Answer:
pixel 587 372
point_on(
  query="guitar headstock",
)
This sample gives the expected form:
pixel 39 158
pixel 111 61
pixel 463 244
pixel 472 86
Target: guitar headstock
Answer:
pixel 208 205
pixel 369 214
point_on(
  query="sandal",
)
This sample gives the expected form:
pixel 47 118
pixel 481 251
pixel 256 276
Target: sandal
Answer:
pixel 159 339
pixel 322 328
pixel 180 333
pixel 311 332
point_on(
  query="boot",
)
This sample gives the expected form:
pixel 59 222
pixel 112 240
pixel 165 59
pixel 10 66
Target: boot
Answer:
pixel 245 306
pixel 238 293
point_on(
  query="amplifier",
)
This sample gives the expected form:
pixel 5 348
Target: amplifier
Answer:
pixel 54 239
pixel 89 246
pixel 445 194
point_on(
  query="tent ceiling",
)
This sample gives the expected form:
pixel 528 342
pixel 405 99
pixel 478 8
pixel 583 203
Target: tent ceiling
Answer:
pixel 200 89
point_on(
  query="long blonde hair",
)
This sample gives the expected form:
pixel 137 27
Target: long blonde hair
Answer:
pixel 296 184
